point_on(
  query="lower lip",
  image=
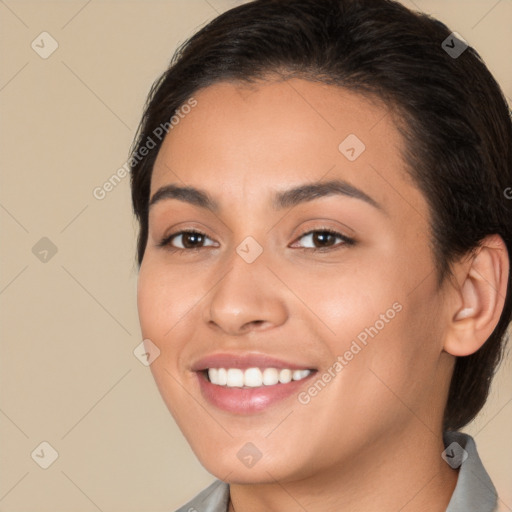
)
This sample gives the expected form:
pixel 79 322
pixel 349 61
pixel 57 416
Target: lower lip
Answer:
pixel 248 400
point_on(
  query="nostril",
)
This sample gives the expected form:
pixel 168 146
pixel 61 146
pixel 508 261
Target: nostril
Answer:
pixel 254 323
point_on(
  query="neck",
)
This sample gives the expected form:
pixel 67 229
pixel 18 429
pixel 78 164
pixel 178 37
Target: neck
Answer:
pixel 408 475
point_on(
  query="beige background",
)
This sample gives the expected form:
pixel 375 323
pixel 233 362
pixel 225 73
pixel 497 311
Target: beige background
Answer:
pixel 69 325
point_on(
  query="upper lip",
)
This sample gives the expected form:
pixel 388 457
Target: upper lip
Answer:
pixel 244 361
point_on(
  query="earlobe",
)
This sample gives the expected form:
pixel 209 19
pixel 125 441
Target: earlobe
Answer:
pixel 480 296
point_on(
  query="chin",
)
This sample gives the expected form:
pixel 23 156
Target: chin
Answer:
pixel 234 470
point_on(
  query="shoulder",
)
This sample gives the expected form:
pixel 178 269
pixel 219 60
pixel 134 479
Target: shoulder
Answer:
pixel 214 498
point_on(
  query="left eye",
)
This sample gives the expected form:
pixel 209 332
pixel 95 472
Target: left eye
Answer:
pixel 324 239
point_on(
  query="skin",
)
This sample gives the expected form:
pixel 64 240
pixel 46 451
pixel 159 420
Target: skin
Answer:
pixel 372 438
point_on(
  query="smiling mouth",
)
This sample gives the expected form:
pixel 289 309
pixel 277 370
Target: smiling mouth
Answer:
pixel 253 377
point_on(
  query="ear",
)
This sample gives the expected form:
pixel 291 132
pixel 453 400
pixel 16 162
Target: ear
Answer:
pixel 478 297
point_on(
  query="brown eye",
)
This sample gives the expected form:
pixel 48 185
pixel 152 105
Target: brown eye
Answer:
pixel 191 240
pixel 186 240
pixel 324 239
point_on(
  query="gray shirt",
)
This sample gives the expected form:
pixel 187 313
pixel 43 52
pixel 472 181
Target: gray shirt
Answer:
pixel 474 491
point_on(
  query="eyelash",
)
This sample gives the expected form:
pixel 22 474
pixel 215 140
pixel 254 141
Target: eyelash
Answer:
pixel 166 242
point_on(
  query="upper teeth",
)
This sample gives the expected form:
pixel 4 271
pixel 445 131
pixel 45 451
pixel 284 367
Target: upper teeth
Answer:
pixel 253 377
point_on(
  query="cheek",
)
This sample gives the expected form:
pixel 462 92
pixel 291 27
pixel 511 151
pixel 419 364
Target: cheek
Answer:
pixel 402 360
pixel 163 298
pixel 383 325
pixel 150 297
pixel 160 310
pixel 349 300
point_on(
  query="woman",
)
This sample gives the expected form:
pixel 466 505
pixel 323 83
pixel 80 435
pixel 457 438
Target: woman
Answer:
pixel 324 255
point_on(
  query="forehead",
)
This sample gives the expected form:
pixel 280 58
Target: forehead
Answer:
pixel 265 136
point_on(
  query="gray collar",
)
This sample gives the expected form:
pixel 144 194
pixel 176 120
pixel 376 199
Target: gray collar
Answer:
pixel 474 491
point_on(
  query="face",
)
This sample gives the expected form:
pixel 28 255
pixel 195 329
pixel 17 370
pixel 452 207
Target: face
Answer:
pixel 284 234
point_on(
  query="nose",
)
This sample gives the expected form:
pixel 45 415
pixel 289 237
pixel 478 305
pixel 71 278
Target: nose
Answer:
pixel 248 297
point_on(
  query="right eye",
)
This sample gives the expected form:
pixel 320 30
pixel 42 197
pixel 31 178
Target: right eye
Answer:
pixel 185 241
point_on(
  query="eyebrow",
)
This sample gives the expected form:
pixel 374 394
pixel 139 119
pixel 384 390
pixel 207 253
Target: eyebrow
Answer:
pixel 285 199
